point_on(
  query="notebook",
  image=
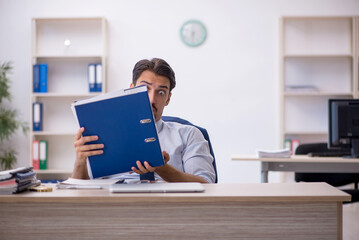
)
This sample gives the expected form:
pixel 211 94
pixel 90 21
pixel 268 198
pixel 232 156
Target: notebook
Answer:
pixel 157 187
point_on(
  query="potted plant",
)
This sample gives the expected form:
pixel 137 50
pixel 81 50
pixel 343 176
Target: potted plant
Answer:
pixel 9 119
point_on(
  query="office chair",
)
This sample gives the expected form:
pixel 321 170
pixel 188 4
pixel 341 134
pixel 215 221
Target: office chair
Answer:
pixel 334 179
pixel 150 176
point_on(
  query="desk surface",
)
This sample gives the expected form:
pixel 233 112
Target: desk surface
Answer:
pixel 269 192
pixel 297 158
pixel 223 211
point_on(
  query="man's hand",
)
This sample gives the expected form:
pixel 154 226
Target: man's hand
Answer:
pixel 146 167
pixel 83 151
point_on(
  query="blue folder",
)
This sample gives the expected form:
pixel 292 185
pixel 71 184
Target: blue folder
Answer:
pixel 36 78
pixel 37 116
pixel 123 121
pixel 43 77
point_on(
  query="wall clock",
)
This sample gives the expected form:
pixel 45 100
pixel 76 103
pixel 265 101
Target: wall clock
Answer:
pixel 193 33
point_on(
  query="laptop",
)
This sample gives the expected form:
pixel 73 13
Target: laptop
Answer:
pixel 157 187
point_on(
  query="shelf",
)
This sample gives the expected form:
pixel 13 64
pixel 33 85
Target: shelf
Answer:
pixel 67 46
pixel 306 133
pixel 65 57
pixel 317 94
pixel 52 95
pixel 344 55
pixel 50 133
pixel 319 61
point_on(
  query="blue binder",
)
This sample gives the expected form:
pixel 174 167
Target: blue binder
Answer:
pixel 43 77
pixel 36 78
pixel 91 75
pixel 123 121
pixel 98 78
pixel 37 116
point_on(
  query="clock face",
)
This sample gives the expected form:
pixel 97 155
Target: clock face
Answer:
pixel 193 33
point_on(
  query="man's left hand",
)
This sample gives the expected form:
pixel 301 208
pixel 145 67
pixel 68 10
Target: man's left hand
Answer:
pixel 146 167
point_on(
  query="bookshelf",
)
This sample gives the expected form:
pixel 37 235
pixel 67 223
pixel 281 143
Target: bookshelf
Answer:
pixel 67 46
pixel 319 61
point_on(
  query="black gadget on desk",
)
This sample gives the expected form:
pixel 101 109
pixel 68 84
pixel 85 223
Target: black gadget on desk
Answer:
pixel 344 127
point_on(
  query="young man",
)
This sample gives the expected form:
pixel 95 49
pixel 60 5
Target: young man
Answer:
pixel 185 151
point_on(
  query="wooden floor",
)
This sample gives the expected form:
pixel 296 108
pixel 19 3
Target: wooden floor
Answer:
pixel 351 221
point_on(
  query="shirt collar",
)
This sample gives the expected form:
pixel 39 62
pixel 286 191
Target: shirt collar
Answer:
pixel 159 125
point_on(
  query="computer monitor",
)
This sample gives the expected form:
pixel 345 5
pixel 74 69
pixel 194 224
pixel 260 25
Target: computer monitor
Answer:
pixel 344 125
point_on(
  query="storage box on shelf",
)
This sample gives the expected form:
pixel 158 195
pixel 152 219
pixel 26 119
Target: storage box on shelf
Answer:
pixel 67 46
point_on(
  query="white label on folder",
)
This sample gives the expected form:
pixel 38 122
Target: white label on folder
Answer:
pixel 42 150
pixel 92 74
pixel 35 150
pixel 98 73
pixel 36 112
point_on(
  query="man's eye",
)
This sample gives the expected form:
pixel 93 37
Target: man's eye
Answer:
pixel 161 93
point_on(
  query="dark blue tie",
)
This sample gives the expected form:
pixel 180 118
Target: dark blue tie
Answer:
pixel 150 176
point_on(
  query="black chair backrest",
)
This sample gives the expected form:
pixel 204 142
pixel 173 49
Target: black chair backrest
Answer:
pixel 203 131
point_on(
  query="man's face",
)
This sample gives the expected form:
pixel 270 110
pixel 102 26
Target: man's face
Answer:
pixel 158 91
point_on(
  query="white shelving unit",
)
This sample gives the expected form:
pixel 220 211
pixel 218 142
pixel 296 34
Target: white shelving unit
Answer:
pixel 319 60
pixel 67 82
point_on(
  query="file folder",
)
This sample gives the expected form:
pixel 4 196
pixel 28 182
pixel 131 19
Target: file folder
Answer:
pixel 124 122
pixel 35 155
pixel 43 77
pixel 92 77
pixel 36 78
pixel 98 78
pixel 43 154
pixel 37 116
pixel 39 77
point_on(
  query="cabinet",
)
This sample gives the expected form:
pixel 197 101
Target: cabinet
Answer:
pixel 67 46
pixel 319 60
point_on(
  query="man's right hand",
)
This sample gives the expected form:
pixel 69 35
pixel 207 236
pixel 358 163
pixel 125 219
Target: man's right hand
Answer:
pixel 83 151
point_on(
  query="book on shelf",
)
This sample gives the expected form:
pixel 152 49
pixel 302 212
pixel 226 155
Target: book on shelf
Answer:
pixel 295 144
pixel 35 154
pixel 40 77
pixel 95 77
pixel 43 153
pixel 123 120
pixel 37 116
pixel 98 80
pixel 291 144
pixel 92 77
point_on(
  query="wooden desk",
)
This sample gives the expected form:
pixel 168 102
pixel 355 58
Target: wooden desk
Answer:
pixel 303 163
pixel 223 211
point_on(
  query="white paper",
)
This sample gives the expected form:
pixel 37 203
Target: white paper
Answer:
pixel 88 183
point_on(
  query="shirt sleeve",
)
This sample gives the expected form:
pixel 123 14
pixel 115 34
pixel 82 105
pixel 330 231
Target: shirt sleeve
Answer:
pixel 196 156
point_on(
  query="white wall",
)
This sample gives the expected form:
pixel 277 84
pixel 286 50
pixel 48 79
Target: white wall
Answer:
pixel 229 85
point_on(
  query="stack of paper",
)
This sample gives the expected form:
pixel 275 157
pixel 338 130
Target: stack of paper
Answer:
pixel 280 153
pixel 17 180
pixel 73 183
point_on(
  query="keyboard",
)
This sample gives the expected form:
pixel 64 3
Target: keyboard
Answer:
pixel 329 154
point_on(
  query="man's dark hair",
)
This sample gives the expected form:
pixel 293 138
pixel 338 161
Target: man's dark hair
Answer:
pixel 157 66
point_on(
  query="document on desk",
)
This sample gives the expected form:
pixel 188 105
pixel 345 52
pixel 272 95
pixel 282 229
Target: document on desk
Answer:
pixel 280 153
pixel 73 183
